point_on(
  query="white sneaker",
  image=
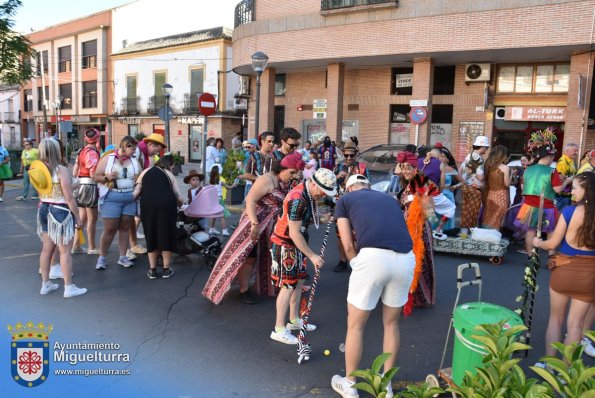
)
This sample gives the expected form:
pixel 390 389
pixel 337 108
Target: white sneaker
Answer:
pixel 213 231
pixel 78 250
pixel 72 291
pixel 100 263
pixel 47 287
pixel 1 200
pixel 131 256
pixel 56 272
pixel 140 235
pixel 588 345
pixel 225 232
pixel 389 390
pixel 343 386
pixel 298 326
pixel 21 198
pixel 125 262
pixel 284 337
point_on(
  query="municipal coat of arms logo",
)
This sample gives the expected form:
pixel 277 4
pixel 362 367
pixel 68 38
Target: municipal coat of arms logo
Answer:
pixel 30 353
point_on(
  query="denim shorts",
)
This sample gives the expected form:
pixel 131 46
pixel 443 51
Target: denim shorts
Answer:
pixel 59 213
pixel 116 204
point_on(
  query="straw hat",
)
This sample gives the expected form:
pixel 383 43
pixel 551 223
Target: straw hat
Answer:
pixel 326 180
pixel 156 138
pixel 193 173
pixel 40 177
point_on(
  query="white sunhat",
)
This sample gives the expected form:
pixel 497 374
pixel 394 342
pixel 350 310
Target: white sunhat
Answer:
pixel 482 140
pixel 326 181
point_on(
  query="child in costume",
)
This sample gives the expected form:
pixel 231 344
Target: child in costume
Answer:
pixel 539 179
pixel 216 179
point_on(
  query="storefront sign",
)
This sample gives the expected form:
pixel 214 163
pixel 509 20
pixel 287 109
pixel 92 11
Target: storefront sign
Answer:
pixel 404 80
pixel 319 115
pixel 418 103
pixel 536 113
pixel 130 120
pixel 191 120
pixel 83 118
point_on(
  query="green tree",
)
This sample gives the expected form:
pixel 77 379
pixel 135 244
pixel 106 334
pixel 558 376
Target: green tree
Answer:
pixel 15 52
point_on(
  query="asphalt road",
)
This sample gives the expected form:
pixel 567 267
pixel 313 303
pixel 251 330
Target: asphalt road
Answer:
pixel 180 345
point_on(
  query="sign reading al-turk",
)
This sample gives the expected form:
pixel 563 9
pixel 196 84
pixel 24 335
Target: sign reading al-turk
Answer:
pixel 536 113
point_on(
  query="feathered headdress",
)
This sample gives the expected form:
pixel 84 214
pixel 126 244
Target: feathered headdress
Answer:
pixel 541 142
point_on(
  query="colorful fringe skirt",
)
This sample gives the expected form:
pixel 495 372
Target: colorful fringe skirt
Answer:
pixel 528 218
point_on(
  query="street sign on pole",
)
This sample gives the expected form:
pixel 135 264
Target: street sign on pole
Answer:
pixel 163 116
pixel 418 115
pixel 207 105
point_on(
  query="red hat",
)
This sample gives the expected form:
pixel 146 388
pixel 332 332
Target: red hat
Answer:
pixel 293 161
pixel 438 145
pixel 407 157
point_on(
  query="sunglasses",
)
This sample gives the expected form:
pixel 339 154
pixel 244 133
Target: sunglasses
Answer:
pixel 125 172
pixel 270 141
pixel 294 145
pixel 347 156
pixel 131 146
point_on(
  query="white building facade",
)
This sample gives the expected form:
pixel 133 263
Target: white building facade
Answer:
pixel 193 63
pixel 10 109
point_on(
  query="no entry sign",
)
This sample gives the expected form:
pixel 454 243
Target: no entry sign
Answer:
pixel 207 104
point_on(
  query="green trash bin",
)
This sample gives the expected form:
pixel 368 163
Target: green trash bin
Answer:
pixel 468 352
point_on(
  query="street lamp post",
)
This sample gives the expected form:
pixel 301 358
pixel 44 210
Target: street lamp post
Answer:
pixel 259 64
pixel 167 88
pixel 58 108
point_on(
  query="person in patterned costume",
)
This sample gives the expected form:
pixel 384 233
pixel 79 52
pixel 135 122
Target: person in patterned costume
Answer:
pixel 290 250
pixel 416 198
pixel 250 243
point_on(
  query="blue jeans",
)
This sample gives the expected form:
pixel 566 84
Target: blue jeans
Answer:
pixel 27 185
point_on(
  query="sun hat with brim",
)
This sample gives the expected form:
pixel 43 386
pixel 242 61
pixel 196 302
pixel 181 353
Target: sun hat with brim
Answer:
pixel 193 173
pixel 356 179
pixel 326 181
pixel 156 138
pixel 482 140
pixel 40 177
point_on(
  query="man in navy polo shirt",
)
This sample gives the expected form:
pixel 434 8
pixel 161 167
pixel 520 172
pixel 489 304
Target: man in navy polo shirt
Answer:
pixel 383 263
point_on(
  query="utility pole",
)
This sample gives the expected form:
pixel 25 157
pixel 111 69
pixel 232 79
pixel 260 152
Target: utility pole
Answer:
pixel 45 114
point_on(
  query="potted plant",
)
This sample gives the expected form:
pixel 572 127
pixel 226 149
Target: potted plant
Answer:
pixel 230 173
pixel 178 162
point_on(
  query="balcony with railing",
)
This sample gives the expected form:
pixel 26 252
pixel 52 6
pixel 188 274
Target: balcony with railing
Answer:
pixel 88 62
pixel 9 117
pixel 245 12
pixel 64 66
pixel 155 102
pixel 130 106
pixel 191 103
pixel 326 5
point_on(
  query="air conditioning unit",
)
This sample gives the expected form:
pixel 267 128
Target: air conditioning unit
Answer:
pixel 499 113
pixel 477 72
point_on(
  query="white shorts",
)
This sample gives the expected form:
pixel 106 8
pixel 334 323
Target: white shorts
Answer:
pixel 380 273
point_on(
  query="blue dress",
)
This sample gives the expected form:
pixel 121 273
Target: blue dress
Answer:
pixel 450 224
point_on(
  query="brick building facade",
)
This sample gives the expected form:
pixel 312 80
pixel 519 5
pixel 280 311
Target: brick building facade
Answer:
pixel 365 61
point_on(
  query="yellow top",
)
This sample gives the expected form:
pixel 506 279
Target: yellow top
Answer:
pixel 566 166
pixel 29 155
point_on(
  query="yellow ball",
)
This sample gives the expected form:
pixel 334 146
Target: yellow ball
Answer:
pixel 327 352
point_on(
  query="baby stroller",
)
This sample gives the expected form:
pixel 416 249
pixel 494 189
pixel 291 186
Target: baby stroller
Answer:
pixel 191 236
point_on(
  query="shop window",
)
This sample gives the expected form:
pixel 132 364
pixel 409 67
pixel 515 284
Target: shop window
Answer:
pixel 441 127
pixel 89 59
pixel 533 79
pixel 399 124
pixel 133 130
pixel 66 94
pixel 402 81
pixel 40 97
pixel 444 80
pixel 90 94
pixel 64 62
pixel 280 84
pixel 42 58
